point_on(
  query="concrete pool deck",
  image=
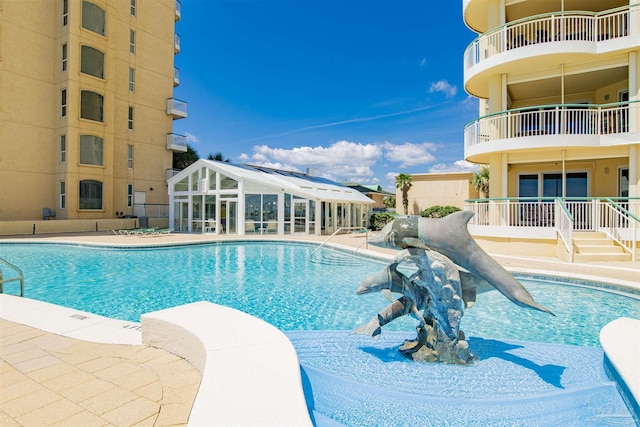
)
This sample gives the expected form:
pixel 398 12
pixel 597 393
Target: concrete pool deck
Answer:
pixel 27 353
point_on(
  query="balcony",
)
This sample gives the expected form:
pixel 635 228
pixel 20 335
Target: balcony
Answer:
pixel 554 33
pixel 176 108
pixel 176 43
pixel 176 77
pixel 178 11
pixel 176 142
pixel 553 126
pixel 170 173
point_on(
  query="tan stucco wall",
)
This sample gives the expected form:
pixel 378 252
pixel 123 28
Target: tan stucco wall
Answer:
pixel 31 81
pixel 522 247
pixel 433 189
pixel 15 228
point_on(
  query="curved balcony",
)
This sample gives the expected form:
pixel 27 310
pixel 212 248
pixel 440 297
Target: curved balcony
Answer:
pixel 552 126
pixel 553 33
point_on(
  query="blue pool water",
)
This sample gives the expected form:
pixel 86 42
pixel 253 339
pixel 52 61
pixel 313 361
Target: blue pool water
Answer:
pixel 277 283
pixel 529 372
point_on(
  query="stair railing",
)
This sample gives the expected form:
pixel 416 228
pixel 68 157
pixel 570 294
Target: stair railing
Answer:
pixel 339 230
pixel 564 226
pixel 12 279
pixel 620 225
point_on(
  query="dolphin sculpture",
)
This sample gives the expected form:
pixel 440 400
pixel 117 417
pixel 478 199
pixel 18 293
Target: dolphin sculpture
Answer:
pixel 429 282
pixel 450 237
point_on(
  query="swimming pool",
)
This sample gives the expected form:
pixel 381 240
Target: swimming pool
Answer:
pixel 277 283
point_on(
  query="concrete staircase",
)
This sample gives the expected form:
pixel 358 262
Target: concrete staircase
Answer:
pixel 592 246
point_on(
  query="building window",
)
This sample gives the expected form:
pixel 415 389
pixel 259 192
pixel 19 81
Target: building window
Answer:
pixel 130 118
pixel 91 106
pixel 64 57
pixel 132 79
pixel 93 18
pixel 129 195
pixel 63 195
pixel 130 156
pixel 65 12
pixel 133 7
pixel 63 148
pixel 132 41
pixel 92 62
pixel 90 195
pixel 91 150
pixel 63 103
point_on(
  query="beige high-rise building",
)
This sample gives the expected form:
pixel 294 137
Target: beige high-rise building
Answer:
pixel 86 106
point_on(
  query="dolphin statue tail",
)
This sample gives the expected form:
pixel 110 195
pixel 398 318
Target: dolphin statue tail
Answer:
pixel 450 237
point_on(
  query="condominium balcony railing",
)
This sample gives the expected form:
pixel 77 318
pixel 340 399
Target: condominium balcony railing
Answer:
pixel 176 142
pixel 176 76
pixel 178 13
pixel 550 28
pixel 170 173
pixel 176 43
pixel 176 108
pixel 565 119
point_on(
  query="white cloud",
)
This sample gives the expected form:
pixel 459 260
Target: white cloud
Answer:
pixel 341 161
pixel 457 166
pixel 423 61
pixel 191 138
pixel 444 87
pixel 409 154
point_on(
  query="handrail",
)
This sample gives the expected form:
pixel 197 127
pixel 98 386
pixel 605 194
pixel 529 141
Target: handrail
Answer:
pixel 564 226
pixel 20 277
pixel 336 232
pixel 616 221
pixel 553 119
pixel 549 27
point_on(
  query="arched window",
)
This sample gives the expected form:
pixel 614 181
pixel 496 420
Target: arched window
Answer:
pixel 92 62
pixel 90 195
pixel 91 106
pixel 91 150
pixel 93 18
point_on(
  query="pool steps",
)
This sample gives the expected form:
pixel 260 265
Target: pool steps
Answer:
pixel 250 370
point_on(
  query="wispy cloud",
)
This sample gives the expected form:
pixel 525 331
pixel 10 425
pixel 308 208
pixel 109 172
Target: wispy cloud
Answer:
pixel 191 138
pixel 444 87
pixel 409 154
pixel 339 123
pixel 457 166
pixel 423 61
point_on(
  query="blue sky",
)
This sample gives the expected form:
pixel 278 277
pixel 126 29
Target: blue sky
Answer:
pixel 354 90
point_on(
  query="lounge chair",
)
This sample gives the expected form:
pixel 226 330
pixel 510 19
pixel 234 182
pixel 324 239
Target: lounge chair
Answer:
pixel 158 232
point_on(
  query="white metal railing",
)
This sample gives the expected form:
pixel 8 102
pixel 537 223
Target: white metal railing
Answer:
pixel 564 225
pixel 564 119
pixel 549 28
pixel 619 224
pixel 338 231
pixel 176 76
pixel 618 219
pixel 151 210
pixel 19 278
pixel 175 105
pixel 173 139
pixel 170 173
pixel 176 43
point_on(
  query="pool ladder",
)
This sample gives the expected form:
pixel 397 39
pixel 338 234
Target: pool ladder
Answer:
pixel 12 279
pixel 342 258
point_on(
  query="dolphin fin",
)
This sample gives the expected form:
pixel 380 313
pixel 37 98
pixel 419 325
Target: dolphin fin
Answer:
pixel 413 242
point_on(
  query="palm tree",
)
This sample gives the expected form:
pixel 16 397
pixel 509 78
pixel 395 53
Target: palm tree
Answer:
pixel 480 181
pixel 217 157
pixel 182 160
pixel 403 181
